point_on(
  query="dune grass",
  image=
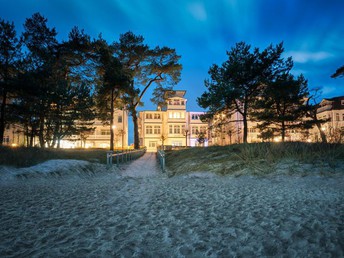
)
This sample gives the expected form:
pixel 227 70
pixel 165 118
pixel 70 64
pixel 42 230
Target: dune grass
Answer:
pixel 25 157
pixel 258 159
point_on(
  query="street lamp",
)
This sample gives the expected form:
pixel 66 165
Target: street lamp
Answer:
pixel 186 133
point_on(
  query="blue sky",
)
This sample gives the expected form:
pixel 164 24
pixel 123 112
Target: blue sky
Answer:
pixel 202 31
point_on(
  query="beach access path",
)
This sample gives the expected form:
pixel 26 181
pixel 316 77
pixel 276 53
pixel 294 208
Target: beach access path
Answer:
pixel 137 211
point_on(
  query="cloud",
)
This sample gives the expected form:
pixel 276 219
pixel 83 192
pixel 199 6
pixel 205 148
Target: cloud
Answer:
pixel 197 10
pixel 305 57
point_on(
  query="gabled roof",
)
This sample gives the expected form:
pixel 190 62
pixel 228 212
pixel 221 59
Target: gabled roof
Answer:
pixel 174 93
pixel 336 102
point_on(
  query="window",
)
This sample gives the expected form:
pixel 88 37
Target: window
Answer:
pixel 183 129
pixel 176 115
pixel 120 119
pixel 194 130
pixel 203 129
pixel 149 129
pixel 149 116
pixel 337 117
pixel 157 116
pixel 176 102
pixel 343 117
pixel 182 102
pixel 6 139
pixel 152 144
pixel 177 129
pixel 104 132
pixel 170 129
pixel 252 130
pixel 342 102
pixel 156 129
pixel 195 117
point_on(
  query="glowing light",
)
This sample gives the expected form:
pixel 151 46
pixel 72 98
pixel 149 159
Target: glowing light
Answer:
pixel 14 145
pixel 277 139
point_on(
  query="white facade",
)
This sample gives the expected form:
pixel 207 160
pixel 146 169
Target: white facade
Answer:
pixel 332 110
pixel 172 125
pixel 98 138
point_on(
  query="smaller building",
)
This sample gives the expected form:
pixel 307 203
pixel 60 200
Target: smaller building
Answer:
pixel 100 136
pixel 332 110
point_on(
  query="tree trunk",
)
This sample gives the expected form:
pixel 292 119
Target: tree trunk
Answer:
pixel 322 133
pixel 136 130
pixel 41 131
pixel 245 128
pixel 2 116
pixel 283 132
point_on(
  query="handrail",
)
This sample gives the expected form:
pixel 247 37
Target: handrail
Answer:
pixel 124 156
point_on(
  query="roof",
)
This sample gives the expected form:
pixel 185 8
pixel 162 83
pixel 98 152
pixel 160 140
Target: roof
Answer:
pixel 174 93
pixel 336 103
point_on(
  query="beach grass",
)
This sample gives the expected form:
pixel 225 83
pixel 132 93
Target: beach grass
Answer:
pixel 25 157
pixel 257 158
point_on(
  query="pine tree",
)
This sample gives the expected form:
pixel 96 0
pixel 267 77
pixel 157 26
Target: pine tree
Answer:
pixel 235 84
pixel 146 67
pixel 10 52
pixel 280 107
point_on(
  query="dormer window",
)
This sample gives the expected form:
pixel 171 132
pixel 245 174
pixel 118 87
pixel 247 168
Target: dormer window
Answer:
pixel 342 102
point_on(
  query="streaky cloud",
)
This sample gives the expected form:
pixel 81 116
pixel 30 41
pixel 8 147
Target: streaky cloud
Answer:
pixel 305 56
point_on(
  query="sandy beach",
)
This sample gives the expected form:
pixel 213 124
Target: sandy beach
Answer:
pixel 136 211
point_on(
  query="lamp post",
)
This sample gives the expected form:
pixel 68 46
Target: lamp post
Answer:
pixel 186 133
pixel 113 127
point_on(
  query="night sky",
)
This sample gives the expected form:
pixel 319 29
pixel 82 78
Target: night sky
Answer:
pixel 202 31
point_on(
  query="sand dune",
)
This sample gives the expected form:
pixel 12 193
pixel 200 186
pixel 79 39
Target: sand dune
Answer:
pixel 136 211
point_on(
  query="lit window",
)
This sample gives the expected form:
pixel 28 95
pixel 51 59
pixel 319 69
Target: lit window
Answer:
pixel 149 129
pixel 152 144
pixel 194 129
pixel 157 129
pixel 105 132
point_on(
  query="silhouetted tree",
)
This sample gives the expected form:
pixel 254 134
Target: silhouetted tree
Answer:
pixel 146 66
pixel 280 106
pixel 339 72
pixel 42 45
pixel 237 83
pixel 9 56
pixel 59 81
pixel 311 109
pixel 113 84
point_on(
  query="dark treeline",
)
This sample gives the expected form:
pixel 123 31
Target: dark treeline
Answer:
pixel 56 89
pixel 259 85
